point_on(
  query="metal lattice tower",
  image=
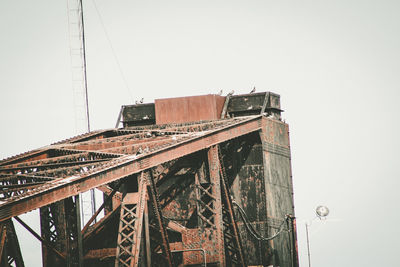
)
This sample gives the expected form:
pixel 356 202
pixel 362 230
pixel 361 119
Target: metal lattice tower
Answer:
pixel 79 87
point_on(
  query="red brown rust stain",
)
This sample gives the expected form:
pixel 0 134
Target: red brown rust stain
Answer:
pixel 188 109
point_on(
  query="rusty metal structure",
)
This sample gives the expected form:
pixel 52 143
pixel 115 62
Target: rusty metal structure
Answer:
pixel 191 181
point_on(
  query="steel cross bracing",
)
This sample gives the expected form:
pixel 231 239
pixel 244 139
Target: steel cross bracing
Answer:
pixel 151 155
pixel 130 226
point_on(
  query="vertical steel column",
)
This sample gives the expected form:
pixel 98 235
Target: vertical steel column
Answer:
pixel 274 137
pixel 154 198
pixel 147 235
pixel 10 252
pixel 3 235
pixel 74 234
pixel 53 230
pixel 197 186
pixel 213 165
pixel 60 227
pixel 130 226
pixel 233 244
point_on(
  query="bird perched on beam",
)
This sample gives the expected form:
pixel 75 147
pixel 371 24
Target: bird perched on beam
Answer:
pixel 231 92
pixel 139 101
pixel 220 92
pixel 252 91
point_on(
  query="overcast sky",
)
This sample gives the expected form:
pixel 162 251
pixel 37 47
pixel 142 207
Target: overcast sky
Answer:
pixel 336 65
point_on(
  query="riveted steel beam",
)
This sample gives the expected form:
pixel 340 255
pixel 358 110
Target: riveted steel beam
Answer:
pixel 215 180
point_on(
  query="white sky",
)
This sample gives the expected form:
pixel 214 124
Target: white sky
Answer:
pixel 336 65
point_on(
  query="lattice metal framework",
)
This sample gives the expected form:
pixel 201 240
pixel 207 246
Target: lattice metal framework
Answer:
pixel 170 191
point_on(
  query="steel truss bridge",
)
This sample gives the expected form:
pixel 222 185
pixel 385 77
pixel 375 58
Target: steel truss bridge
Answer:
pixel 171 195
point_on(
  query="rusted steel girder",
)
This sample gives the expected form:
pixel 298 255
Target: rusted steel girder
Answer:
pixel 215 180
pixel 100 253
pixel 45 167
pixel 60 228
pixel 40 154
pixel 154 197
pixel 235 249
pixel 10 177
pixel 47 244
pixel 10 252
pixel 136 148
pixel 124 167
pixel 109 146
pixel 130 227
pixel 107 200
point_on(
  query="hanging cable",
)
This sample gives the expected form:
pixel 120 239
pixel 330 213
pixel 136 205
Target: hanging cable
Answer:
pixel 113 51
pixel 251 229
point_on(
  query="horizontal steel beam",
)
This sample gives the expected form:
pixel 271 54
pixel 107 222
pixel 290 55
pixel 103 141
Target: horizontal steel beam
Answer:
pixel 72 156
pixel 101 254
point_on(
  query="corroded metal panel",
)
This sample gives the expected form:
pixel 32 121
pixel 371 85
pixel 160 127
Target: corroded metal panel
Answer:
pixel 262 188
pixel 249 193
pixel 255 103
pixel 200 239
pixel 187 109
pixel 279 190
pixel 139 114
pixel 246 102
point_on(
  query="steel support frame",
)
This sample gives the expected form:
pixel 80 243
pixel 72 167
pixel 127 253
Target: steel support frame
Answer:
pixel 134 219
pixel 215 181
pixel 159 220
pixel 10 252
pixel 267 138
pixel 232 238
pixel 223 218
pixel 130 226
pixel 60 228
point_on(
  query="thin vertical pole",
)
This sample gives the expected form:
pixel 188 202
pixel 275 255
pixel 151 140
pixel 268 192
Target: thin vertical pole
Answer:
pixel 308 247
pixel 84 66
pixel 92 192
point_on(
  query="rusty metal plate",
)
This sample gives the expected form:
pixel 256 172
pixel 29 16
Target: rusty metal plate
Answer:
pixel 188 109
pixel 198 238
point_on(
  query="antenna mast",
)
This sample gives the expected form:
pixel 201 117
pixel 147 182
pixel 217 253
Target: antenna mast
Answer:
pixel 80 88
pixel 84 66
pixel 78 64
